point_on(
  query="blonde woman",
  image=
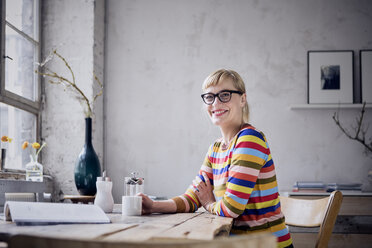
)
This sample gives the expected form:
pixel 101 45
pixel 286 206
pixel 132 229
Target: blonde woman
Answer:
pixel 237 178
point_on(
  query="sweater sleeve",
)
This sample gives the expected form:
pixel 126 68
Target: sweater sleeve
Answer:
pixel 189 202
pixel 248 157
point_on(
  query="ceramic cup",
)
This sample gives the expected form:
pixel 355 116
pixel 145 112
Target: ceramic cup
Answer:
pixel 131 205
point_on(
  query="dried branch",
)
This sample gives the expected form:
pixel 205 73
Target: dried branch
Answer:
pixel 67 65
pixel 360 131
pixel 100 85
pixel 70 83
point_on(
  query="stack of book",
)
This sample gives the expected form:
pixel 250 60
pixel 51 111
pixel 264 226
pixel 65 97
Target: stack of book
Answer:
pixel 345 187
pixel 309 186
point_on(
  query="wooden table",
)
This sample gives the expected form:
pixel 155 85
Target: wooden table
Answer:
pixel 200 226
pixel 199 229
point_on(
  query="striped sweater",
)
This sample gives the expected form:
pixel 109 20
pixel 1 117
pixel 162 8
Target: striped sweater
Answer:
pixel 245 187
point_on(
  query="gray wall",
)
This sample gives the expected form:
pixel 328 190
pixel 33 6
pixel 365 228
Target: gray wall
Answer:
pixel 76 29
pixel 159 52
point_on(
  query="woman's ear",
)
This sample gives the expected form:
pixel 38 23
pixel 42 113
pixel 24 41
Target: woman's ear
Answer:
pixel 243 99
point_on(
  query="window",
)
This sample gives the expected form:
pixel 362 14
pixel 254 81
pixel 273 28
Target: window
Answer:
pixel 20 87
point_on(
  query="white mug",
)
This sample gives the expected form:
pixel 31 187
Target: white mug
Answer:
pixel 131 205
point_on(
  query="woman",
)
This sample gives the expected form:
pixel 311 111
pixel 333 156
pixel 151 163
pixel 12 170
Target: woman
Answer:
pixel 237 178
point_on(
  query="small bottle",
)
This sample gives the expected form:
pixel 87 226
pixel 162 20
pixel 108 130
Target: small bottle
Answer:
pixel 104 197
pixel 34 170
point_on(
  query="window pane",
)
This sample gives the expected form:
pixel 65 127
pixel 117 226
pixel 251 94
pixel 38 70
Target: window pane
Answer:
pixel 23 15
pixel 20 76
pixel 21 126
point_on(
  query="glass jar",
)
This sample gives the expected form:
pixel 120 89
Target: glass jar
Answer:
pixel 34 170
pixel 133 185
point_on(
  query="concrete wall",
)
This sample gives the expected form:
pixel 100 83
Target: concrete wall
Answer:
pixel 159 52
pixel 76 30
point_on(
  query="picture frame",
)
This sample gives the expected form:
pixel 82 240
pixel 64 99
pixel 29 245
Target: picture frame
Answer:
pixel 330 77
pixel 365 58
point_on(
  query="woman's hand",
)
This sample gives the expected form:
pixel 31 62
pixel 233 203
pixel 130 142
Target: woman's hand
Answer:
pixel 147 204
pixel 204 192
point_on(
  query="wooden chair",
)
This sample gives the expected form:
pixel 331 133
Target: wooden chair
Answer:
pixel 260 240
pixel 320 213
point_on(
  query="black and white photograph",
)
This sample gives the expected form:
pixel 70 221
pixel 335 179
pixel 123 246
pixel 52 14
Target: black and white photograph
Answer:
pixel 330 77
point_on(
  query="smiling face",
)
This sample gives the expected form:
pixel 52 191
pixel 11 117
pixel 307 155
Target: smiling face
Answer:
pixel 229 113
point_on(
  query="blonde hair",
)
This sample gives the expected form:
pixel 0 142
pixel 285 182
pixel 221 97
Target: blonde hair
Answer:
pixel 216 77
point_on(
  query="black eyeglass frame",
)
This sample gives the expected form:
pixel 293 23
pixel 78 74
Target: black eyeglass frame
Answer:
pixel 218 95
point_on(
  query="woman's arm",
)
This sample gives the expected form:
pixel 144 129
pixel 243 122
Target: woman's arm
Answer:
pixel 149 206
pixel 248 157
pixel 187 202
pixel 204 192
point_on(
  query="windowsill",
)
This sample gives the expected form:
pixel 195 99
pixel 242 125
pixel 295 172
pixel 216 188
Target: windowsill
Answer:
pixel 12 175
pixel 18 175
pixel 15 182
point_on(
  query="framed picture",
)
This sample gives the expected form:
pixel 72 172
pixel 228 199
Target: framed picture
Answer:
pixel 365 57
pixel 330 76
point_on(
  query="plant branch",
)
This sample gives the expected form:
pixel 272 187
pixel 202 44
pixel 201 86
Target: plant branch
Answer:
pixel 359 130
pixel 101 86
pixel 68 83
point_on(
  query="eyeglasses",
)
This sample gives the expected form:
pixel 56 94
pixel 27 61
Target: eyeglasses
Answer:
pixel 223 96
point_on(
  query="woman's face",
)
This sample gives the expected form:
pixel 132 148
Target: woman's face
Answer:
pixel 228 113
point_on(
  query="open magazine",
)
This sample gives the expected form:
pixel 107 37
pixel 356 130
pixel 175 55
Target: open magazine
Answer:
pixel 43 213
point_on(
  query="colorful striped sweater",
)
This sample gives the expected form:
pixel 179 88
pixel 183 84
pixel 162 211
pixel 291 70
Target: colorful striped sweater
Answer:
pixel 245 187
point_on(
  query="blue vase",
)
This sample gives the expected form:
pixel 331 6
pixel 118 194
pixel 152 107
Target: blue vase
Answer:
pixel 87 167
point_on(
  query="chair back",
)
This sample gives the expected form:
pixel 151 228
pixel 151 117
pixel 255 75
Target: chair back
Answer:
pixel 320 213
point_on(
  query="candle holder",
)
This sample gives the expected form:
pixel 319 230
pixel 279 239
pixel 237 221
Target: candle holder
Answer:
pixel 2 159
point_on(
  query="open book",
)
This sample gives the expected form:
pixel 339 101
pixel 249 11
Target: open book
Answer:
pixel 36 213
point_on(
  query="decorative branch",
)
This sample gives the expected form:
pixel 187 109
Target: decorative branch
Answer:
pixel 100 84
pixel 68 83
pixel 360 130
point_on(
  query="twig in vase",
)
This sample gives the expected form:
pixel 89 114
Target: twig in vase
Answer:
pixel 360 130
pixel 58 79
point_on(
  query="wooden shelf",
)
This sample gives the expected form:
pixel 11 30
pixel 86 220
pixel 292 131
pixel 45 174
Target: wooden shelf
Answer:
pixel 329 106
pixel 344 192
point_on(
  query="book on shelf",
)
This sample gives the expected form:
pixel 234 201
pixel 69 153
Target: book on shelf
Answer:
pixel 346 187
pixel 346 192
pixel 309 186
pixel 309 190
pixel 320 187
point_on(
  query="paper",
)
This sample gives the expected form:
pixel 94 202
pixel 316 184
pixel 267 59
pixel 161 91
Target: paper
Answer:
pixel 34 213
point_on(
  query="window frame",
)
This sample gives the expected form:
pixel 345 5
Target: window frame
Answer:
pixel 13 99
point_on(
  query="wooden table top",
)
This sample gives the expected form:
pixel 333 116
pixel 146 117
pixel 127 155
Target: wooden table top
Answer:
pixel 199 226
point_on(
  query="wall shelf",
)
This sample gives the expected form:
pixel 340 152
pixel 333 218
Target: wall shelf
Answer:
pixel 329 106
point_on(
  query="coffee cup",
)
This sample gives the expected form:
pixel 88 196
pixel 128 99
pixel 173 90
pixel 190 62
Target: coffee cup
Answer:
pixel 131 205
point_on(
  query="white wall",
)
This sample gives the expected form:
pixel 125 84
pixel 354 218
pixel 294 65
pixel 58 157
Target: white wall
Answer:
pixel 76 30
pixel 157 55
pixel 159 52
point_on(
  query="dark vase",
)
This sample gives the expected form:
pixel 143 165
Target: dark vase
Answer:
pixel 87 167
